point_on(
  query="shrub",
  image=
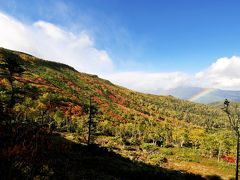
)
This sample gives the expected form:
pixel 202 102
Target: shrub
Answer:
pixel 189 155
pixel 157 159
pixel 149 147
pixel 167 151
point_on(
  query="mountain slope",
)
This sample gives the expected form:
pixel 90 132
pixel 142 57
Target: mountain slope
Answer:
pixel 43 80
pixel 141 127
pixel 73 89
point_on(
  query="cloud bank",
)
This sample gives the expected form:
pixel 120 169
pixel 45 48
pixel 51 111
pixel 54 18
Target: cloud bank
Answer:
pixel 49 41
pixel 149 82
pixel 223 74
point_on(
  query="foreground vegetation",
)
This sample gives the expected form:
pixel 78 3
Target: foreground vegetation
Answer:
pixel 48 155
pixel 56 96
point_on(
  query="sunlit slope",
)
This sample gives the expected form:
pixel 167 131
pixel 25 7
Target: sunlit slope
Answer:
pixel 63 89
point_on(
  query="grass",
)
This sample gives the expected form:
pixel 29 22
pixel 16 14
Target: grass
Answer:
pixel 190 160
pixel 183 159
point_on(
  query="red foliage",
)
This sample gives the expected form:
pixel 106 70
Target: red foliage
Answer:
pixel 69 83
pixel 100 92
pixel 71 110
pixel 39 80
pixel 77 110
pixel 29 142
pixel 97 100
pixel 117 99
pixel 229 159
pixel 144 115
pixel 116 116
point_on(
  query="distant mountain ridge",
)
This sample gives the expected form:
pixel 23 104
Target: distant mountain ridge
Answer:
pixel 202 95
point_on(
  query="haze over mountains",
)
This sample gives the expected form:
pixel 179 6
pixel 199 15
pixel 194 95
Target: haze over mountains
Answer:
pixel 202 95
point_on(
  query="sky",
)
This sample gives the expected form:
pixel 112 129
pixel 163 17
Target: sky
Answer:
pixel 144 45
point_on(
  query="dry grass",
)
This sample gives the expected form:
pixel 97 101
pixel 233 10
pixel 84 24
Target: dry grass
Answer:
pixel 205 168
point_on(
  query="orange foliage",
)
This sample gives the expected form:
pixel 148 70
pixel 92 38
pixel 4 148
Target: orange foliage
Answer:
pixel 76 110
pixel 97 100
pixel 116 116
pixel 100 92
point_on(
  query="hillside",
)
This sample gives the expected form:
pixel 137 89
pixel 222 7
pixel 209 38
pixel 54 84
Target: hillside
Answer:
pixel 45 92
pixel 42 80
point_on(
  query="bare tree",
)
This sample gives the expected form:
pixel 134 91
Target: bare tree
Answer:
pixel 90 120
pixel 233 113
pixel 91 123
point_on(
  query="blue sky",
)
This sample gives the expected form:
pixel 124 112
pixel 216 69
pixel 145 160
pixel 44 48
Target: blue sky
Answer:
pixel 147 36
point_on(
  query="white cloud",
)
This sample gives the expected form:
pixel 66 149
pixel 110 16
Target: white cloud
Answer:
pixel 48 41
pixel 148 82
pixel 223 74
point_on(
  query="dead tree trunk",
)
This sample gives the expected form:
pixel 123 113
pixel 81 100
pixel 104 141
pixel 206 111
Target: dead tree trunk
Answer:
pixel 90 121
pixel 234 119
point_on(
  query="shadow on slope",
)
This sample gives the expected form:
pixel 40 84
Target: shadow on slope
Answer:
pixel 30 151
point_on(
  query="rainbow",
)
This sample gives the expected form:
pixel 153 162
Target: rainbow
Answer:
pixel 201 94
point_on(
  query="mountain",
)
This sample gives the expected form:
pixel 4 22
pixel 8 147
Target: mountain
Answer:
pixel 39 98
pixel 64 90
pixel 202 95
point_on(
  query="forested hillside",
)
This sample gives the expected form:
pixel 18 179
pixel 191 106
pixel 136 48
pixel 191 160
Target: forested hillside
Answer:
pixel 33 90
pixel 61 90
